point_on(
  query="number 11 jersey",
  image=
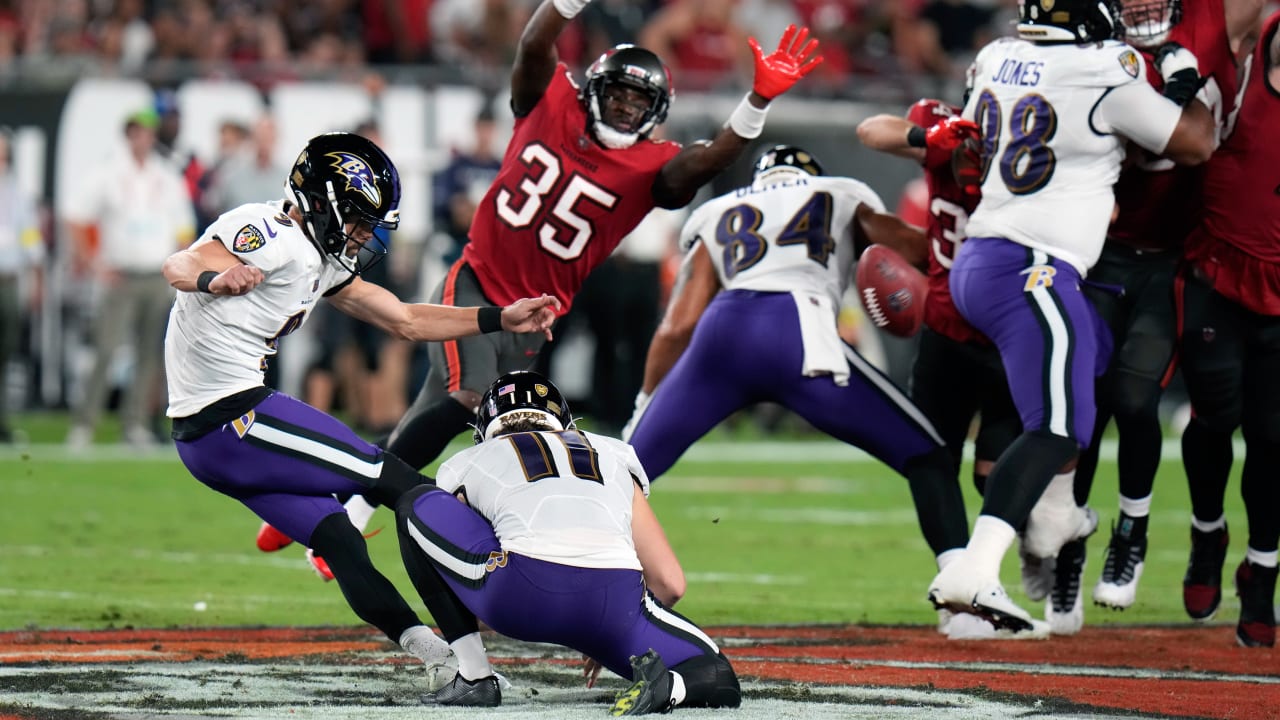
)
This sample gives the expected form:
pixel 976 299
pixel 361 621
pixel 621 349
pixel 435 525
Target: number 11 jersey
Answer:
pixel 561 202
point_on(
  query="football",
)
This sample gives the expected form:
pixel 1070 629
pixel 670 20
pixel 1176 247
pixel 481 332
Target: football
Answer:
pixel 892 291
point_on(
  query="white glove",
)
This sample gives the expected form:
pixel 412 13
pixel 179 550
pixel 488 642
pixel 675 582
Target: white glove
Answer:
pixel 642 402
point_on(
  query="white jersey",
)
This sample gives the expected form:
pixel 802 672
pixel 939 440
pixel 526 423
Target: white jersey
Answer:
pixel 217 345
pixel 564 497
pixel 1052 120
pixel 788 231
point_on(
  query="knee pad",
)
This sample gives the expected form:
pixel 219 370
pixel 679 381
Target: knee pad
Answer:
pixel 709 681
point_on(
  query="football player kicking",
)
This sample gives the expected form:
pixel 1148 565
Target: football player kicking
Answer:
pixel 580 172
pixel 1056 107
pixel 253 277
pixel 544 532
pixel 753 319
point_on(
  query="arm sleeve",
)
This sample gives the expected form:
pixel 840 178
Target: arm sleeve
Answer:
pixel 1136 111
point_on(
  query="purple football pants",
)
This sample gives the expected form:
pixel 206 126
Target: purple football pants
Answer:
pixel 747 349
pixel 607 614
pixel 284 460
pixel 1051 339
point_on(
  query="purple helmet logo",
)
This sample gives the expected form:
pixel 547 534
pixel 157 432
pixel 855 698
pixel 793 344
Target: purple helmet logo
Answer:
pixel 358 175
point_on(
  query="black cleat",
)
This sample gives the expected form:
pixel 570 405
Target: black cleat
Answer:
pixel 1202 585
pixel 650 690
pixel 1256 586
pixel 461 692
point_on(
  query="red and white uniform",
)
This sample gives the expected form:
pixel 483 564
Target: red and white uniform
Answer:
pixel 949 209
pixel 1159 201
pixel 1237 243
pixel 561 202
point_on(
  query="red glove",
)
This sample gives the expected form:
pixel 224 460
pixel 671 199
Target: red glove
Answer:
pixel 794 58
pixel 941 141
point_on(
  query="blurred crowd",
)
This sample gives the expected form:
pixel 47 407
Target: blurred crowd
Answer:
pixel 704 41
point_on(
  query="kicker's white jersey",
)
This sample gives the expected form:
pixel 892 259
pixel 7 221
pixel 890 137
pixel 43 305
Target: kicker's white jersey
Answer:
pixel 217 345
pixel 1052 120
pixel 564 497
pixel 788 230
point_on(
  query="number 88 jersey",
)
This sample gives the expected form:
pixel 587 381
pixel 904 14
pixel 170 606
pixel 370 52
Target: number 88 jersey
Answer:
pixel 1048 168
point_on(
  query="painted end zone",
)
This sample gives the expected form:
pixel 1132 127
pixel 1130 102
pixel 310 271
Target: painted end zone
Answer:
pixel 1185 672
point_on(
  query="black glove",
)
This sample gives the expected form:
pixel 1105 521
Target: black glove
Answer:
pixel 1181 72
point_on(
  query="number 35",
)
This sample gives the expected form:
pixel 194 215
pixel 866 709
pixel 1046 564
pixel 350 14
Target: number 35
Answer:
pixel 537 187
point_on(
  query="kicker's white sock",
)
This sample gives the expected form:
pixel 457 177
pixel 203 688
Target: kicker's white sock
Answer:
pixel 473 664
pixel 359 511
pixel 990 541
pixel 946 557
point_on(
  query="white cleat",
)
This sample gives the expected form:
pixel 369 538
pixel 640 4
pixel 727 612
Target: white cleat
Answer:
pixel 973 627
pixel 1051 525
pixel 959 591
pixel 1037 574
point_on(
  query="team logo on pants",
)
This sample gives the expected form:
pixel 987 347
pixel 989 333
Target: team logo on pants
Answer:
pixel 497 559
pixel 1039 276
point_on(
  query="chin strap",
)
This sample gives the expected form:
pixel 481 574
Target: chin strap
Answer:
pixel 612 138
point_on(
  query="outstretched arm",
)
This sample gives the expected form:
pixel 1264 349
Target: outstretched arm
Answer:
pixel 697 163
pixel 888 134
pixel 536 55
pixel 422 322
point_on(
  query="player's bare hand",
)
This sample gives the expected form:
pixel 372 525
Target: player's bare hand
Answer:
pixel 796 56
pixel 236 280
pixel 531 315
pixel 591 670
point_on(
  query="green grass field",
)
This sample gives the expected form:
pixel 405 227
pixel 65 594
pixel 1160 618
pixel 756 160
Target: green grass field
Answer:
pixel 768 531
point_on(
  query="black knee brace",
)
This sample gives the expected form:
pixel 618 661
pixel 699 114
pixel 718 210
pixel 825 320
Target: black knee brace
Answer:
pixel 396 479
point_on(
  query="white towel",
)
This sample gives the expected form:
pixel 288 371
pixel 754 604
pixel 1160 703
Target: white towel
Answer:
pixel 823 348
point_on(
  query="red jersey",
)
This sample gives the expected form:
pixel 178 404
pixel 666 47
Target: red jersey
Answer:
pixel 1237 244
pixel 949 209
pixel 1159 201
pixel 561 202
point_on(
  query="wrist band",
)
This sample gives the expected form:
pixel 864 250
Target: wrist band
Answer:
pixel 489 318
pixel 203 280
pixel 569 9
pixel 915 136
pixel 747 120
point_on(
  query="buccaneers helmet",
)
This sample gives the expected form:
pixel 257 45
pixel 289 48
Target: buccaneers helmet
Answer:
pixel 929 112
pixel 787 156
pixel 522 391
pixel 1147 22
pixel 632 67
pixel 1074 21
pixel 342 178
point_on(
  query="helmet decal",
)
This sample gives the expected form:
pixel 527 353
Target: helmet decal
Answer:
pixel 359 177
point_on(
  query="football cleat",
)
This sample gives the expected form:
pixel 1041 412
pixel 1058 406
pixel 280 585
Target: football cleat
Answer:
pixel 1065 608
pixel 1256 586
pixel 271 539
pixel 318 564
pixel 1202 585
pixel 650 690
pixel 1118 586
pixel 461 692
pixel 1037 573
pixel 955 588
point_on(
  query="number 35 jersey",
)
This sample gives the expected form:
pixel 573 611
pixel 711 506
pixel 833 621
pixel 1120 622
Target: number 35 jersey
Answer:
pixel 787 231
pixel 564 497
pixel 217 345
pixel 1054 120
pixel 561 202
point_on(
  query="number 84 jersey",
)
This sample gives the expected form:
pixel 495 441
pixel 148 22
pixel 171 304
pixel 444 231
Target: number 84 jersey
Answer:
pixel 786 231
pixel 1050 159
